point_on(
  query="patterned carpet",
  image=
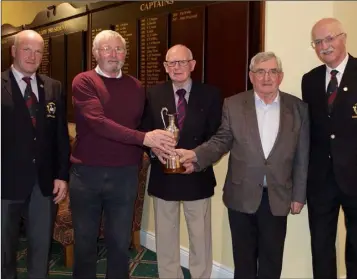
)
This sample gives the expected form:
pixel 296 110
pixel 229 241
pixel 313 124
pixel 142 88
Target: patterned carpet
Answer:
pixel 143 265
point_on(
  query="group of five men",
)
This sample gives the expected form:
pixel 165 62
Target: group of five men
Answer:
pixel 282 151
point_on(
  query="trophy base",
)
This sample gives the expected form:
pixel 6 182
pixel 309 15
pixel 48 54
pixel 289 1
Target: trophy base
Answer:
pixel 179 170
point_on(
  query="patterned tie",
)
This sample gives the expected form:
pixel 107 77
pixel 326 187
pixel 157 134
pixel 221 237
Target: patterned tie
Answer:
pixel 181 107
pixel 332 88
pixel 30 99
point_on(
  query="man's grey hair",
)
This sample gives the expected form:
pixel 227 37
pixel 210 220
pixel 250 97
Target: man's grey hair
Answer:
pixel 106 35
pixel 262 57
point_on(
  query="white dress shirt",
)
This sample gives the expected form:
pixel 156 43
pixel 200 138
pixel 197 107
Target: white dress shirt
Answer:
pixel 100 72
pixel 268 116
pixel 22 84
pixel 340 68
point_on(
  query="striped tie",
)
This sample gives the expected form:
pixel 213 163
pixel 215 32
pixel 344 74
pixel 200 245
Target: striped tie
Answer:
pixel 181 107
pixel 332 89
pixel 31 100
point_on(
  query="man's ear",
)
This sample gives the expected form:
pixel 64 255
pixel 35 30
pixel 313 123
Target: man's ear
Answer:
pixel 251 76
pixel 166 68
pixel 13 50
pixel 192 65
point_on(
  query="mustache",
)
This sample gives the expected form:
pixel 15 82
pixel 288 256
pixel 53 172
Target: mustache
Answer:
pixel 119 65
pixel 325 51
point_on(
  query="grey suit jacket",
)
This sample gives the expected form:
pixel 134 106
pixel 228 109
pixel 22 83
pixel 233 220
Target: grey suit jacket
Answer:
pixel 285 168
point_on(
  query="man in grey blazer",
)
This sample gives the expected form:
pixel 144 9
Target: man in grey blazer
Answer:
pixel 267 134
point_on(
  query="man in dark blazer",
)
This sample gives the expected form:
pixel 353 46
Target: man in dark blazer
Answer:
pixel 35 156
pixel 331 92
pixel 202 117
pixel 267 134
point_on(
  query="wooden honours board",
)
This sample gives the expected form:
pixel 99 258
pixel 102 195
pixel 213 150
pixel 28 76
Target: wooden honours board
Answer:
pixel 217 33
pixel 222 35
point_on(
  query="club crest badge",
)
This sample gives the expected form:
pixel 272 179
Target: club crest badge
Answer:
pixel 51 110
pixel 354 107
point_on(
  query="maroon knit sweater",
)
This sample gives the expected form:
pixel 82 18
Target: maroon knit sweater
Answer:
pixel 107 113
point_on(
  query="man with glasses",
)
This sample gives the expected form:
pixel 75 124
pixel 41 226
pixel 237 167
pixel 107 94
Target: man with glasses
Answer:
pixel 34 156
pixel 331 93
pixel 267 134
pixel 108 106
pixel 199 109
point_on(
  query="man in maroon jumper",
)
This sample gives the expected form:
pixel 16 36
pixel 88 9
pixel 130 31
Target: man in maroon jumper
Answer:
pixel 108 106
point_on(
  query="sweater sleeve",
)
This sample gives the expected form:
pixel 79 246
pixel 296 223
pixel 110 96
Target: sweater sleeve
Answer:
pixel 88 105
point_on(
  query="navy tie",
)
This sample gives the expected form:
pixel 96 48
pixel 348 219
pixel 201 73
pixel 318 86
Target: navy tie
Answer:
pixel 332 89
pixel 181 107
pixel 31 100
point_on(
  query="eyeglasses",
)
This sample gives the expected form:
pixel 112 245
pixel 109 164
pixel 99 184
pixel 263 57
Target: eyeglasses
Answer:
pixel 182 63
pixel 327 40
pixel 108 50
pixel 260 73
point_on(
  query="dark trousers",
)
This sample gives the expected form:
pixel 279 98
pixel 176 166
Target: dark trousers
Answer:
pixel 114 190
pixel 39 212
pixel 258 242
pixel 323 209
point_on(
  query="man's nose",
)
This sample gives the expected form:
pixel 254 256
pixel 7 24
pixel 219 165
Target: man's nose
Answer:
pixel 113 53
pixel 324 45
pixel 177 65
pixel 32 55
pixel 267 76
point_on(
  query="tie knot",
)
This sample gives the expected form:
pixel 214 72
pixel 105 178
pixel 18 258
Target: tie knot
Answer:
pixel 334 73
pixel 27 80
pixel 181 93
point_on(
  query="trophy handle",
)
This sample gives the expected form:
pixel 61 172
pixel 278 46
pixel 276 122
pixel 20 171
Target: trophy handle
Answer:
pixel 162 115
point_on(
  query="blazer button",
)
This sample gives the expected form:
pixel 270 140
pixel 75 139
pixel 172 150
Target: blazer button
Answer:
pixel 34 138
pixel 34 161
pixel 332 136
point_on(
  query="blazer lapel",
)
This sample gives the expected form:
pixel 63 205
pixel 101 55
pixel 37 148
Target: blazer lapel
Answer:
pixel 193 106
pixel 168 101
pixel 252 122
pixel 40 116
pixel 6 81
pixel 349 77
pixel 321 94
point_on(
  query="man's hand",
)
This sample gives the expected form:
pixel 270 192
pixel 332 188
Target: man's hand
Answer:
pixel 160 139
pixel 59 190
pixel 189 168
pixel 161 155
pixel 296 207
pixel 186 156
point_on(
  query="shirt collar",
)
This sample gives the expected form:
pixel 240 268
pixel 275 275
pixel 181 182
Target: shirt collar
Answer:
pixel 340 68
pixel 100 72
pixel 259 100
pixel 18 75
pixel 187 86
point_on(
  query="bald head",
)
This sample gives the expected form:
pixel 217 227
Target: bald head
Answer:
pixel 28 35
pixel 27 52
pixel 179 49
pixel 332 24
pixel 329 41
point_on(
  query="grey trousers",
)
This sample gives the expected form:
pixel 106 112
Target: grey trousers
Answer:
pixel 39 212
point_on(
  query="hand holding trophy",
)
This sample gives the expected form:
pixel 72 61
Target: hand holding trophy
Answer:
pixel 173 164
